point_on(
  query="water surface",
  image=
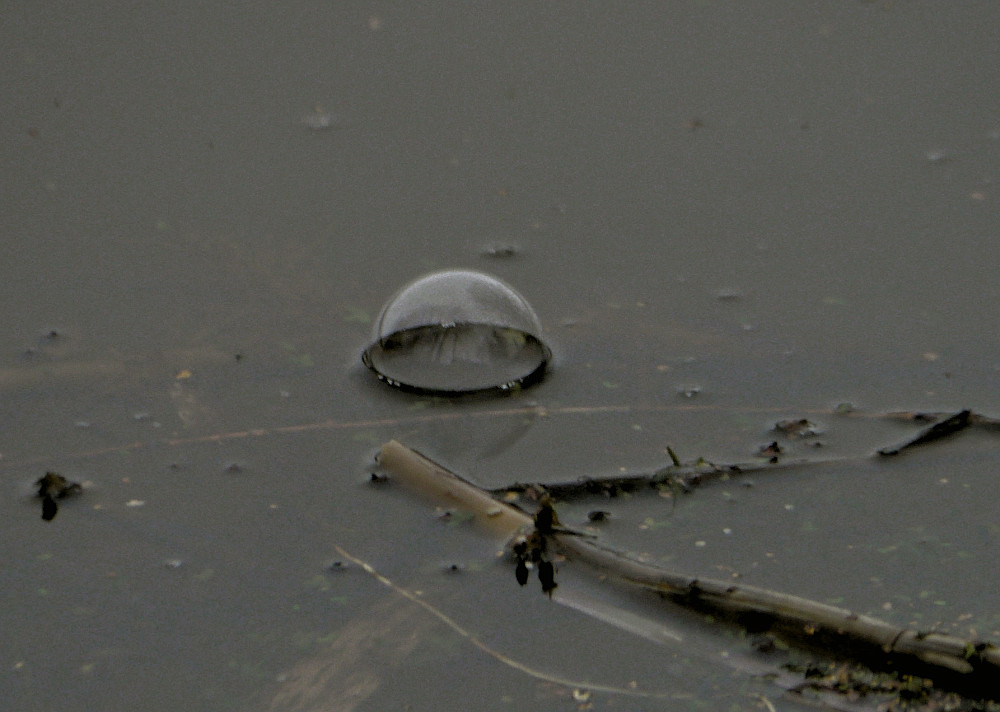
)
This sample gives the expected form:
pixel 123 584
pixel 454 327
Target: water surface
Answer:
pixel 723 216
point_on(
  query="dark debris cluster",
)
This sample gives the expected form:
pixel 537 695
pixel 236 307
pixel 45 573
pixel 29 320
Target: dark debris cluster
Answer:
pixel 51 487
pixel 532 550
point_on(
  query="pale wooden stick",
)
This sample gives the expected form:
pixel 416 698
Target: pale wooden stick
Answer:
pixel 424 476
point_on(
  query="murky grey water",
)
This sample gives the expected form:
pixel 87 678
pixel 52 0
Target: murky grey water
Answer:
pixel 724 215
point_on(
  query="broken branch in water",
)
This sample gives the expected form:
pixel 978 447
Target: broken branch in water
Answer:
pixel 935 431
pixel 965 666
pixel 424 476
pixel 969 667
pixel 678 477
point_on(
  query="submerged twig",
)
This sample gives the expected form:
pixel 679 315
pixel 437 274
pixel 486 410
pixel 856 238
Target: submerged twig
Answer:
pixel 970 667
pixel 937 430
pixel 493 652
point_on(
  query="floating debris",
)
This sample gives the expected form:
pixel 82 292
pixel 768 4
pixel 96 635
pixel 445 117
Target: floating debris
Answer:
pixel 924 662
pixel 455 332
pixel 689 391
pixel 771 450
pixel 801 428
pixel 547 576
pixel 545 518
pixel 51 487
pixel 501 251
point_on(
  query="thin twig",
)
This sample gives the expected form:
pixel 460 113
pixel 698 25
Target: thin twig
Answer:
pixel 681 477
pixel 493 652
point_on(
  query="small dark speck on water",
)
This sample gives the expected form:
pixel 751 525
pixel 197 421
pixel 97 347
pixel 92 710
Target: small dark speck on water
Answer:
pixel 501 252
pixel 772 449
pixel 51 487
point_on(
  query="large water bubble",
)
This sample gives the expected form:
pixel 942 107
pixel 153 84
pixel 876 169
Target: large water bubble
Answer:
pixel 457 331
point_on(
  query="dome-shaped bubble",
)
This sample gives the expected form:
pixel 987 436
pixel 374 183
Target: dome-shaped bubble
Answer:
pixel 457 331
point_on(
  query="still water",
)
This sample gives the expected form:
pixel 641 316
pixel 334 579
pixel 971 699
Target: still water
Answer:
pixel 724 215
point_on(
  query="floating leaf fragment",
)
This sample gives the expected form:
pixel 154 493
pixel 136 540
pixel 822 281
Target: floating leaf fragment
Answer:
pixel 799 428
